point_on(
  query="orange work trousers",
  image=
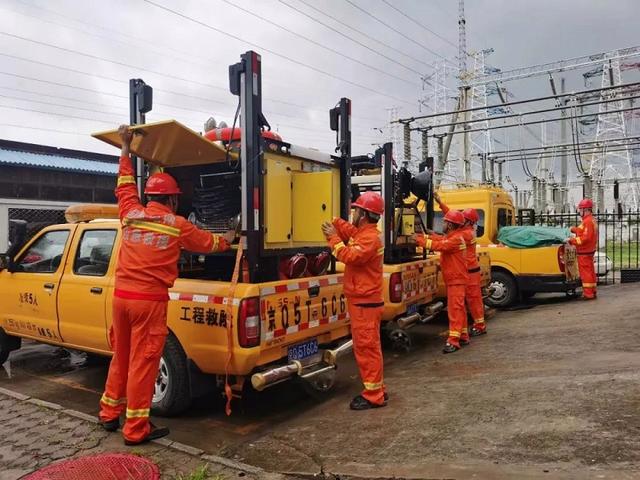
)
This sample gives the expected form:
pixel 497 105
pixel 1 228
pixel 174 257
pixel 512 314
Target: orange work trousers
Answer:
pixel 457 313
pixel 475 304
pixel 587 275
pixel 365 330
pixel 137 337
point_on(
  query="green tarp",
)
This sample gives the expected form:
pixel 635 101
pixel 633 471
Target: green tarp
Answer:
pixel 532 237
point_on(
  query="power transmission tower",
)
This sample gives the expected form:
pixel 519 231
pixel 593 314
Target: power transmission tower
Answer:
pixel 611 125
pixel 480 141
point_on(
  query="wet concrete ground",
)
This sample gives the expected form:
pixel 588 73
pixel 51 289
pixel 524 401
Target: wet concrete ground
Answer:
pixel 552 392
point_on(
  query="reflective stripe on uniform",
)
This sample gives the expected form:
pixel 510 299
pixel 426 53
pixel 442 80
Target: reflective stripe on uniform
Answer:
pixel 454 334
pixel 427 243
pixel 126 179
pixel 152 226
pixel 339 246
pixel 216 241
pixel 140 413
pixel 112 402
pixel 381 251
pixel 578 241
pixel 464 330
pixel 372 386
pixel 589 285
pixel 480 320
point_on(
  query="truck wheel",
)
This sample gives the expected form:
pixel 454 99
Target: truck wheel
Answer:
pixel 171 395
pixel 505 290
pixel 8 344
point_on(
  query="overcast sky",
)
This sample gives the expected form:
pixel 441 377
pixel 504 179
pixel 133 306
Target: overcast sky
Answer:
pixel 65 64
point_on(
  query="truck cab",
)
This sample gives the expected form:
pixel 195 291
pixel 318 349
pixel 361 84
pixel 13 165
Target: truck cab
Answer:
pixel 515 273
pixel 270 310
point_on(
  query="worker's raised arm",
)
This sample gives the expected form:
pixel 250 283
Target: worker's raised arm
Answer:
pixel 345 229
pixel 196 240
pixel 363 250
pixel 126 189
pixel 443 206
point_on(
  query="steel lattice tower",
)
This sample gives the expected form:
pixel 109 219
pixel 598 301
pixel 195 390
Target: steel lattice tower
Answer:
pixel 612 125
pixel 480 141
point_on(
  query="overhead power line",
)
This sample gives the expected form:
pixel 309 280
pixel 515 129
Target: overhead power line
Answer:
pixel 353 39
pixel 31 127
pixel 390 27
pixel 364 34
pixel 277 54
pixel 119 80
pixel 421 25
pixel 322 45
pixel 181 55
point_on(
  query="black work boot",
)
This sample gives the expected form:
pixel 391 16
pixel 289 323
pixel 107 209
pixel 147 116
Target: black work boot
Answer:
pixel 361 403
pixel 110 425
pixel 449 348
pixel 156 432
pixel 476 331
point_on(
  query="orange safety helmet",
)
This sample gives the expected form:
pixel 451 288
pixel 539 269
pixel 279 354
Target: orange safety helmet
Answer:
pixel 471 215
pixel 371 202
pixel 455 217
pixel 585 203
pixel 162 184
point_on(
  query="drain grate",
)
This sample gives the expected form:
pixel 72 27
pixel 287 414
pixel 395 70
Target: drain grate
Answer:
pixel 105 466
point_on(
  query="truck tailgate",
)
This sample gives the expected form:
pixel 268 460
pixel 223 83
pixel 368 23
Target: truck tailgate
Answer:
pixel 301 314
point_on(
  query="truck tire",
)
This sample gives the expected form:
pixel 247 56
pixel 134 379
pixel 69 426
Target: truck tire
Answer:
pixel 505 290
pixel 172 395
pixel 8 344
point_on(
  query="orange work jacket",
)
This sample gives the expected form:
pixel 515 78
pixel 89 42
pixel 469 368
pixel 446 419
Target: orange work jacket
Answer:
pixel 586 237
pixel 361 250
pixel 152 238
pixel 452 248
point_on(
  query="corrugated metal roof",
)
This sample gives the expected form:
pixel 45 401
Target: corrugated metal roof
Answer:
pixel 56 162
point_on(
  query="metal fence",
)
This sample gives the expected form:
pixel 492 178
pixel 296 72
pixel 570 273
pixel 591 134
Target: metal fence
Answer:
pixel 37 218
pixel 618 250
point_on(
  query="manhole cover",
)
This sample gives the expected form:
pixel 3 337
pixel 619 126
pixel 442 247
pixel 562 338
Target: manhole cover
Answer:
pixel 107 466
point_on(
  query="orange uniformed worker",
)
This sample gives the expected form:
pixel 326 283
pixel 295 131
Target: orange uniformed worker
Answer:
pixel 452 248
pixel 473 293
pixel 359 247
pixel 473 290
pixel 585 241
pixel 147 267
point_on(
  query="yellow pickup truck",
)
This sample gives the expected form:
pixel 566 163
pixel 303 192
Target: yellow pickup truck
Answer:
pixel 515 273
pixel 274 317
pixel 59 290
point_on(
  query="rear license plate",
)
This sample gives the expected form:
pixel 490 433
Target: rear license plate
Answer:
pixel 303 350
pixel 412 309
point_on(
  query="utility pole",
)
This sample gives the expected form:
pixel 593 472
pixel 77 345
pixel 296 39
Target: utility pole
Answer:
pixel 407 142
pixel 466 143
pixel 441 160
pixel 563 156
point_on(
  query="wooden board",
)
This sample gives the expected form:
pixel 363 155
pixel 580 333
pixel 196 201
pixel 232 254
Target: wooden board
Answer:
pixel 169 144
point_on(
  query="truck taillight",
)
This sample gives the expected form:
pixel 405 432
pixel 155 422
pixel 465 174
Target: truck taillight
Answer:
pixel 249 322
pixel 395 287
pixel 561 258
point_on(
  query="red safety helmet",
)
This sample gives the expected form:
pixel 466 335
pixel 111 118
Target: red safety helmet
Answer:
pixel 471 215
pixel 371 202
pixel 585 203
pixel 455 217
pixel 161 184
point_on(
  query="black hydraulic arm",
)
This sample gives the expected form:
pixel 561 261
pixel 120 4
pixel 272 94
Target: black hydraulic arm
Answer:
pixel 340 122
pixel 140 103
